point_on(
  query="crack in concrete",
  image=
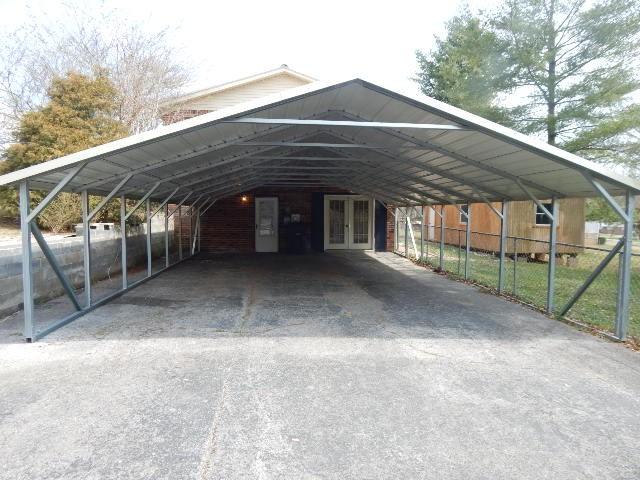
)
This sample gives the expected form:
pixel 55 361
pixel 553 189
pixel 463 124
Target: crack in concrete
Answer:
pixel 247 307
pixel 209 449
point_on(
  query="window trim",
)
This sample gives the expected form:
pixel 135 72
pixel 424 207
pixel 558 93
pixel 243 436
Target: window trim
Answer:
pixel 462 220
pixel 536 212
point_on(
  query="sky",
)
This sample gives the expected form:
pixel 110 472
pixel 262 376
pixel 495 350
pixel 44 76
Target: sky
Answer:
pixel 329 40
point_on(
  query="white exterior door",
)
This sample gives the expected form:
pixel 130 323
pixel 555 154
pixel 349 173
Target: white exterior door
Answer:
pixel 266 224
pixel 348 222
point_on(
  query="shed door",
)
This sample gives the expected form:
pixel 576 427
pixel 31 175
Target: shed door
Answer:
pixel 266 224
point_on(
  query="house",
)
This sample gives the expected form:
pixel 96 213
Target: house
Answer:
pixel 318 222
pixel 232 93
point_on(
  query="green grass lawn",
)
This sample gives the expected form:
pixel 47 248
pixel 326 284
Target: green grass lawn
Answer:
pixel 527 280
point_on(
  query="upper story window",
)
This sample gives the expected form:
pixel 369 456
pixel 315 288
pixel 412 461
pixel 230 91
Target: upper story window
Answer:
pixel 463 216
pixel 541 217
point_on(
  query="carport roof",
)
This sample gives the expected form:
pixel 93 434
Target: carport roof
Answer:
pixel 352 135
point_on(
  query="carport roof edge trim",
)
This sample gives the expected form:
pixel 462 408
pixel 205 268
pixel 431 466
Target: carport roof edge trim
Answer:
pixel 428 104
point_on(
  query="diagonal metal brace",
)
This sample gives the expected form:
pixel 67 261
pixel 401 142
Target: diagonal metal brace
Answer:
pixel 535 200
pixel 208 207
pixel 51 258
pixel 53 193
pixel 142 200
pixel 607 196
pixel 180 204
pixel 106 199
pixel 598 270
pixel 164 202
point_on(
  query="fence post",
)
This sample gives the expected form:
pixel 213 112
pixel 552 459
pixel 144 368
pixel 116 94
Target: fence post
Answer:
pixel 553 236
pixel 503 242
pixel 622 313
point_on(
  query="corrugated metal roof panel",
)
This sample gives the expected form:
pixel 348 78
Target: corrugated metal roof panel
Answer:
pixel 208 154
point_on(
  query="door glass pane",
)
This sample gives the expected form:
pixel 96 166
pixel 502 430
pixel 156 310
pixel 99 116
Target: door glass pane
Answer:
pixel 360 221
pixel 266 218
pixel 336 221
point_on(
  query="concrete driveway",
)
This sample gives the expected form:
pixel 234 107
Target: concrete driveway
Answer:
pixel 317 367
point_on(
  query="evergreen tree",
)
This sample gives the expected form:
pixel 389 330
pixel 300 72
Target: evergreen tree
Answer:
pixel 466 68
pixel 566 69
pixel 77 116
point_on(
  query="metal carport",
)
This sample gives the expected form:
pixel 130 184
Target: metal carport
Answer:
pixel 352 135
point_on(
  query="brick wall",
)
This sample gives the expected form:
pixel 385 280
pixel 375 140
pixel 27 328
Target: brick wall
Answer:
pixel 229 225
pixel 390 229
pixel 179 115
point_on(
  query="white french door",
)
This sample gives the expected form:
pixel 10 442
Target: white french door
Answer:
pixel 348 222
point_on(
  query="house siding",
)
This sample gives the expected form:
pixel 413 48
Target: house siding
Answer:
pixel 232 96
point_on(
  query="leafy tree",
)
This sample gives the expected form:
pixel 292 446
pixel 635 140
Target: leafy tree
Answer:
pixel 576 62
pixel 466 68
pixel 77 116
pixel 567 69
pixel 142 63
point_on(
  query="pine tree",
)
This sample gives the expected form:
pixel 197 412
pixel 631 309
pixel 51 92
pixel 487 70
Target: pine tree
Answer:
pixel 465 68
pixel 565 69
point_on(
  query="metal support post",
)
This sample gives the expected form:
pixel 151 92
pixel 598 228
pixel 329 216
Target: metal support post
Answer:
pixel 515 264
pixel 166 235
pixel 396 232
pixel 421 232
pixel 123 240
pixel 503 244
pixel 189 211
pixel 624 291
pixel 553 237
pixel 199 230
pixel 624 271
pixel 27 256
pixel 442 235
pixel 148 205
pixel 86 234
pixel 467 250
pixel 179 233
pixel 406 233
pixel 411 235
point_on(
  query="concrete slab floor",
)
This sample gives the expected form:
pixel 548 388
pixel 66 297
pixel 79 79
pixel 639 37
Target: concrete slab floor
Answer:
pixel 334 366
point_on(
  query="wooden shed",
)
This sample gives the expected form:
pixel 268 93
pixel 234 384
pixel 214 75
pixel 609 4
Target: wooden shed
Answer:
pixel 525 222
